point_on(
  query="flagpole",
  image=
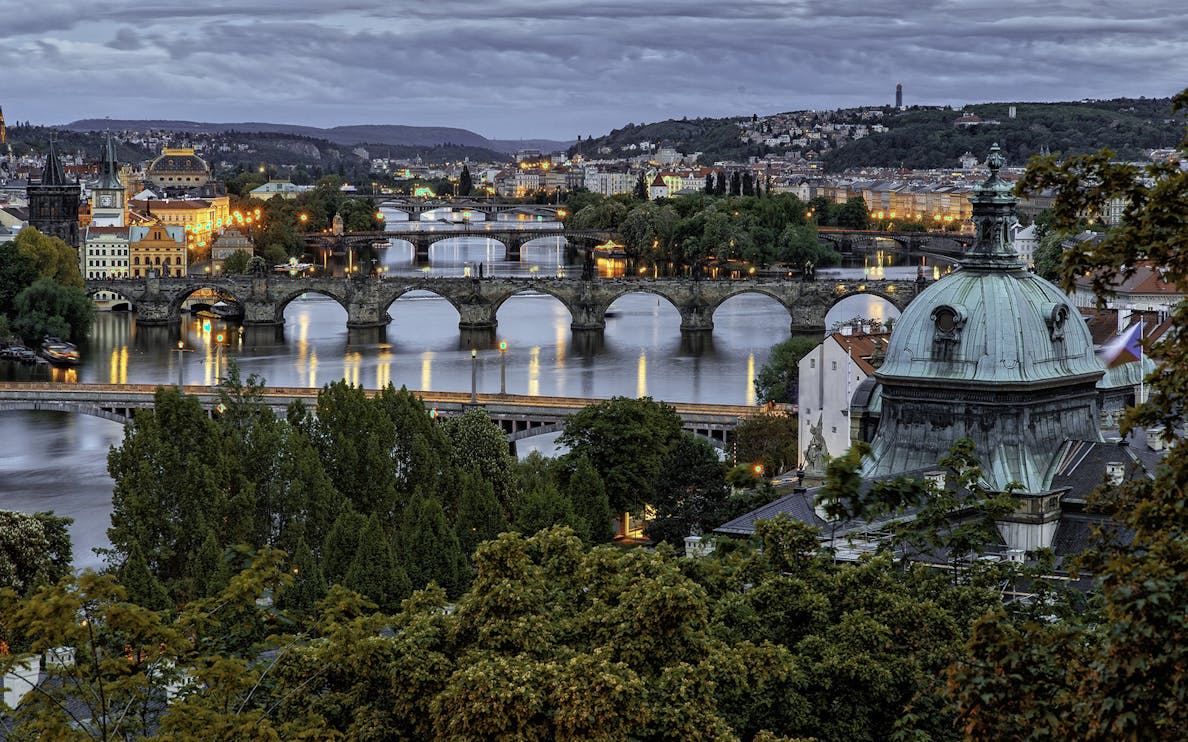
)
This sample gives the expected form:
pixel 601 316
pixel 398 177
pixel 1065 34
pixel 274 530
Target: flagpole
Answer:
pixel 849 423
pixel 1142 375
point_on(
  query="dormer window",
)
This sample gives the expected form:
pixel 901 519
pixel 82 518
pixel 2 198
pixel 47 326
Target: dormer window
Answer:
pixel 949 321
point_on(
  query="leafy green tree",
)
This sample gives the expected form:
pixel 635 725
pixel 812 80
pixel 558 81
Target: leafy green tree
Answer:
pixel 478 444
pixel 779 378
pixel 170 478
pixel 308 586
pixel 545 507
pixel 735 184
pixel 144 589
pixel 17 272
pixel 480 516
pixel 429 549
pixel 709 184
pixel 691 497
pixel 626 441
pixel 50 308
pixel 342 542
pixel 236 263
pixel 375 572
pixel 853 214
pixel 587 494
pixel 34 550
pixel 52 257
pixel 769 440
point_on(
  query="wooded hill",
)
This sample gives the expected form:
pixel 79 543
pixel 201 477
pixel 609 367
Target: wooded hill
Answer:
pixel 928 137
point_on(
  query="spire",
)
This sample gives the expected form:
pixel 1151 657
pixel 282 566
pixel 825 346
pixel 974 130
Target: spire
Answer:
pixel 109 170
pixel 3 128
pixel 993 215
pixel 53 174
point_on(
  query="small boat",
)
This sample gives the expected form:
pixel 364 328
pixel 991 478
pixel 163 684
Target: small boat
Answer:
pixel 223 310
pixel 59 352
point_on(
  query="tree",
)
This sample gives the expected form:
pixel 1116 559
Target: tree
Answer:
pixel 480 516
pixel 626 441
pixel 170 480
pixel 853 215
pixel 49 308
pixel 779 378
pixel 735 184
pixel 478 444
pixel 52 257
pixel 640 191
pixel 587 494
pixel 465 184
pixel 691 496
pixel 34 550
pixel 236 263
pixel 544 507
pixel 17 272
pixel 709 183
pixel 429 549
pixel 767 439
pixel 748 184
pixel 1119 676
pixel 375 572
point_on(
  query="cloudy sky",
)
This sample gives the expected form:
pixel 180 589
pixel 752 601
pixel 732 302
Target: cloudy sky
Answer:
pixel 559 68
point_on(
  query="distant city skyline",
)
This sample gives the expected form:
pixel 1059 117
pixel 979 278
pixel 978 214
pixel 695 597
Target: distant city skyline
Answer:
pixel 555 69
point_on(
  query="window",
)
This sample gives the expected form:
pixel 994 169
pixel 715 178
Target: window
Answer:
pixel 812 363
pixel 834 428
pixel 834 366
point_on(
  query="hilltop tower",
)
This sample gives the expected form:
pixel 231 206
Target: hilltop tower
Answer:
pixel 3 129
pixel 53 203
pixel 899 95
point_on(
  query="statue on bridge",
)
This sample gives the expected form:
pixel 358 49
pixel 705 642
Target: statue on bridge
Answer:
pixel 810 271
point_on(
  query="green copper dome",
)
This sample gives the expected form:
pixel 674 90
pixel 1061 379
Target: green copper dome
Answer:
pixel 990 352
pixel 998 326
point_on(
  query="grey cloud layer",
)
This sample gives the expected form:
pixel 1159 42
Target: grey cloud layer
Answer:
pixel 563 67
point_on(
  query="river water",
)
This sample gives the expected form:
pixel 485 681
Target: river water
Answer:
pixel 57 461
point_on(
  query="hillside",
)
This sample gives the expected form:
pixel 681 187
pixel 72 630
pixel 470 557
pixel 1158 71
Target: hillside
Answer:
pixel 917 137
pixel 364 134
pixel 928 138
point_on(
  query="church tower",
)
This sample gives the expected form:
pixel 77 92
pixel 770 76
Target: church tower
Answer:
pixel 53 203
pixel 107 195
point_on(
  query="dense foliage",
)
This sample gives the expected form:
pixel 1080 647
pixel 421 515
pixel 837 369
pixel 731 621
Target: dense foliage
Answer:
pixel 693 231
pixel 41 289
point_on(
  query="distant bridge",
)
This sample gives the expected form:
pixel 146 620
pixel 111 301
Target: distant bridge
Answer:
pixel 944 244
pixel 367 300
pixel 511 238
pixel 518 416
pixel 491 210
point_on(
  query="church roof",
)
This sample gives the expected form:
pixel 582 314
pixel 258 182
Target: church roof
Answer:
pixel 109 171
pixel 53 173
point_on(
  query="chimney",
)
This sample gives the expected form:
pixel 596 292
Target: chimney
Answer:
pixel 1123 318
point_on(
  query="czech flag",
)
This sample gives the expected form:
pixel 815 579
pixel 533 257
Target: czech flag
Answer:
pixel 1125 348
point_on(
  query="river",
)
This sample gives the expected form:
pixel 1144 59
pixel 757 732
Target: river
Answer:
pixel 57 461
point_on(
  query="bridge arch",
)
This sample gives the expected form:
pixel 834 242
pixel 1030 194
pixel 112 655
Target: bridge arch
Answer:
pixel 411 291
pixel 758 289
pixel 112 287
pixel 200 285
pixel 122 415
pixel 289 297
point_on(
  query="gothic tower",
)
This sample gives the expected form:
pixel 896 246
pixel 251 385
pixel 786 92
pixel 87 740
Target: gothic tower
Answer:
pixel 53 203
pixel 107 195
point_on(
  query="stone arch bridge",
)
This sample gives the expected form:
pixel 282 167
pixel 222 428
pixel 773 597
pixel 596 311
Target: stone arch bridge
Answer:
pixel 367 300
pixel 422 240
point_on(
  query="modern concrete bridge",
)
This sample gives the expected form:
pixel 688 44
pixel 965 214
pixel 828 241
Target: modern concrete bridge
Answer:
pixel 158 301
pixel 519 416
pixel 491 210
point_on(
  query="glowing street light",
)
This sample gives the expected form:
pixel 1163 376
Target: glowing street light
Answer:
pixel 181 348
pixel 474 376
pixel 502 368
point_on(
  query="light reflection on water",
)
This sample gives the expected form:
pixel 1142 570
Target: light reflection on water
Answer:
pixel 58 461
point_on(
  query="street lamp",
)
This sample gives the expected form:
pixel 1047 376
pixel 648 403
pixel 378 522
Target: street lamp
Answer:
pixel 502 368
pixel 218 357
pixel 474 375
pixel 181 348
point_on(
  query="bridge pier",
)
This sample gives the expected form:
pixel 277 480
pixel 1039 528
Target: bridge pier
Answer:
pixel 587 343
pixel 696 318
pixel 588 317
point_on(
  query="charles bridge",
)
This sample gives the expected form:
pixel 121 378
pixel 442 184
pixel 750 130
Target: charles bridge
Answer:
pixel 158 301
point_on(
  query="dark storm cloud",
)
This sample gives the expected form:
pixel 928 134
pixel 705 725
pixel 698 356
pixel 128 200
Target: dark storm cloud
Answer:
pixel 562 67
